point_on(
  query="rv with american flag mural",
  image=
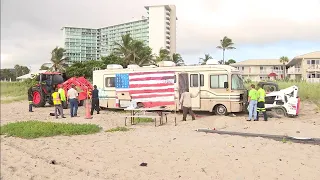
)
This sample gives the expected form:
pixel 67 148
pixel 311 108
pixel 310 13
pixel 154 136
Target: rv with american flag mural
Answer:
pixel 221 87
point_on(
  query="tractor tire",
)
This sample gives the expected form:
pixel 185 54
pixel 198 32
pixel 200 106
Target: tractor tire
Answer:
pixel 38 98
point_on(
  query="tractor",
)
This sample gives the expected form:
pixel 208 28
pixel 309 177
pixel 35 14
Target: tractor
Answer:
pixel 49 80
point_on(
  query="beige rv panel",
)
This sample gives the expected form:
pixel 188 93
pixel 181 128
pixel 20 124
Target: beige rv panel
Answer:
pixel 210 95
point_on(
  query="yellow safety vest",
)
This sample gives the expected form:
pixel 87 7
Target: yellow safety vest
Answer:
pixel 56 99
pixel 62 94
pixel 261 95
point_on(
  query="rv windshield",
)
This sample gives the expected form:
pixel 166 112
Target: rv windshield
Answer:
pixel 237 82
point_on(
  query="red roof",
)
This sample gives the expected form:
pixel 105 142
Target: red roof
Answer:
pixel 272 74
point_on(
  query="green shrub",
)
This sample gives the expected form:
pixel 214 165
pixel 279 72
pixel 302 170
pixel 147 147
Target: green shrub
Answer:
pixel 36 129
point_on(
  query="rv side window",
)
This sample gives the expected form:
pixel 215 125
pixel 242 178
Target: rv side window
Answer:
pixel 201 80
pixel 217 81
pixel 194 80
pixel 109 82
pixel 175 78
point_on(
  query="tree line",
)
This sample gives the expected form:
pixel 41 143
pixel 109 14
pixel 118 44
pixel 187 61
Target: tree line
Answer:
pixel 12 74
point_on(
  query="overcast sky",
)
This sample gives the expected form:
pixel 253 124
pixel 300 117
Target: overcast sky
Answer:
pixel 30 29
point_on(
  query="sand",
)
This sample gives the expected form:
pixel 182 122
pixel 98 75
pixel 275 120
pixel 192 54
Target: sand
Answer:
pixel 171 152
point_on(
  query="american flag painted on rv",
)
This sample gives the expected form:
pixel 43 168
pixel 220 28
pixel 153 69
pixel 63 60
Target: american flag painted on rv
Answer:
pixel 150 88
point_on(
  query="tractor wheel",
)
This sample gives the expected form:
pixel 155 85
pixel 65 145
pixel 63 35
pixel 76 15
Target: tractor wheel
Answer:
pixel 38 98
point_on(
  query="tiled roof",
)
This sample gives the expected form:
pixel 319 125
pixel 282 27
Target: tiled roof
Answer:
pixel 259 62
pixel 315 54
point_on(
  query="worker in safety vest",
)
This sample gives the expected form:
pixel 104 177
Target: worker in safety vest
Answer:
pixel 261 103
pixel 57 103
pixel 252 99
pixel 62 95
pixel 30 99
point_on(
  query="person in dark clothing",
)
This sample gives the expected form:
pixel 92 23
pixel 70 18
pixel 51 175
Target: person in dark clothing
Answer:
pixel 30 99
pixel 95 100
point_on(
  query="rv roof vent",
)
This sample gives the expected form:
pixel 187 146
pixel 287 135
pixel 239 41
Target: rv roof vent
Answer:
pixel 212 62
pixel 114 66
pixel 166 64
pixel 133 66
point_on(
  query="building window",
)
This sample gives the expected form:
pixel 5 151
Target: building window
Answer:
pixel 201 80
pixel 194 80
pixel 109 82
pixel 217 81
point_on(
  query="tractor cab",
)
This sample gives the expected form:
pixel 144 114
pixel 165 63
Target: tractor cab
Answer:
pixel 269 86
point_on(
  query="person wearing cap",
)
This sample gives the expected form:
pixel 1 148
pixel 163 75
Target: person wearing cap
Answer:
pixel 73 100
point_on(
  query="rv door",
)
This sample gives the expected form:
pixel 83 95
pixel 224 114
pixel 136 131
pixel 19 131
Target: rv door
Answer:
pixel 194 88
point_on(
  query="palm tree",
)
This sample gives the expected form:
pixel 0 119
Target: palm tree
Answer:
pixel 230 61
pixel 177 59
pixel 284 60
pixel 164 55
pixel 205 59
pixel 225 43
pixel 58 59
pixel 133 51
pixel 124 49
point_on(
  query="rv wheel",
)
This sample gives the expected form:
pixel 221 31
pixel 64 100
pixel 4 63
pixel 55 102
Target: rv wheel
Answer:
pixel 220 110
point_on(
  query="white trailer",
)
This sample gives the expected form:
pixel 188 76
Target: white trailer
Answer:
pixel 221 86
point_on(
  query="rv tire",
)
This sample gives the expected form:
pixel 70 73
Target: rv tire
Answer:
pixel 220 110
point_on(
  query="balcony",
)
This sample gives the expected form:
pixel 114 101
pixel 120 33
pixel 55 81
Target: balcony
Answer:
pixel 294 71
pixel 278 72
pixel 313 67
pixel 313 80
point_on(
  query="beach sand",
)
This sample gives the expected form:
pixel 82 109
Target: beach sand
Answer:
pixel 171 152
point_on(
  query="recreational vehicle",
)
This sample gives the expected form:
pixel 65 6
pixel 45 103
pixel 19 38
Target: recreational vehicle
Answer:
pixel 221 88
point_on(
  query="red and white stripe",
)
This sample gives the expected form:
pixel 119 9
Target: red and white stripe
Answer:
pixel 151 88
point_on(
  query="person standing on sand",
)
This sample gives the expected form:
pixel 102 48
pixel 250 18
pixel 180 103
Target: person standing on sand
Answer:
pixel 252 99
pixel 30 99
pixel 185 101
pixel 57 103
pixel 95 100
pixel 261 103
pixel 62 95
pixel 73 100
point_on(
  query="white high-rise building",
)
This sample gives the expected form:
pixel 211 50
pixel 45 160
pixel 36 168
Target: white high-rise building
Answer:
pixel 162 27
pixel 158 30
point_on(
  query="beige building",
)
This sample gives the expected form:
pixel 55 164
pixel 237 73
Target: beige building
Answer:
pixel 305 67
pixel 260 69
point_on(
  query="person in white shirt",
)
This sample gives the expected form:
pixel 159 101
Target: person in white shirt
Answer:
pixel 185 101
pixel 73 100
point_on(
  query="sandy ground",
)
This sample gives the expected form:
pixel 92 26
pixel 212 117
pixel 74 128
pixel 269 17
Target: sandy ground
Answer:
pixel 171 152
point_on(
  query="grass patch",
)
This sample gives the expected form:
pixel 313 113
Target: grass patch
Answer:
pixel 36 129
pixel 14 89
pixel 143 120
pixel 117 129
pixel 13 99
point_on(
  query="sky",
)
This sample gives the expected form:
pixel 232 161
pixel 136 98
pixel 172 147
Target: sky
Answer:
pixel 260 29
